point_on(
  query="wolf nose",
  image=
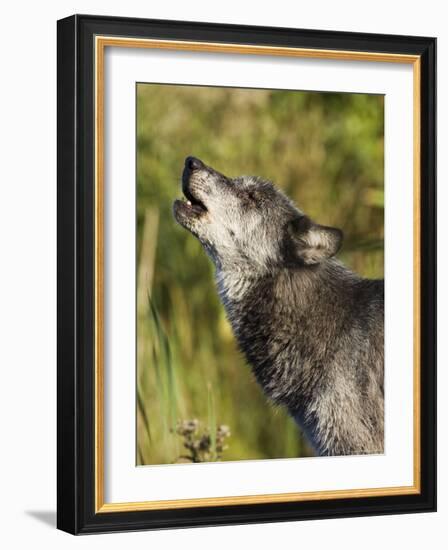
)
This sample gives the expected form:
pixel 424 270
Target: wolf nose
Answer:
pixel 192 163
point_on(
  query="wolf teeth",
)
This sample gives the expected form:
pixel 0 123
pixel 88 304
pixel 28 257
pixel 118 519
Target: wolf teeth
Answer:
pixel 189 203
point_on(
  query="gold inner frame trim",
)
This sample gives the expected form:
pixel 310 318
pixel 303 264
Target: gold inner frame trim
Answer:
pixel 101 42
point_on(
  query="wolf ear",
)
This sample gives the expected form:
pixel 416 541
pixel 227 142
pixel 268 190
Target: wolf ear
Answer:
pixel 310 243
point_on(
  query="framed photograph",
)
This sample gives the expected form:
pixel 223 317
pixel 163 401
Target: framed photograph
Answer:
pixel 246 274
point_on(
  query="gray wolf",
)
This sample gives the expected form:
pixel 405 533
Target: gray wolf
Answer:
pixel 311 329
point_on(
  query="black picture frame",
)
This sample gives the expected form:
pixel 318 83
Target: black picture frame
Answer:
pixel 76 286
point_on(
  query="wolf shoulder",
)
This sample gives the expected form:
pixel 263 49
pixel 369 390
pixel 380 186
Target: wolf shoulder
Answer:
pixel 369 299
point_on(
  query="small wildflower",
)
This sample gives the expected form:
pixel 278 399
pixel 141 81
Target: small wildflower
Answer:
pixel 199 443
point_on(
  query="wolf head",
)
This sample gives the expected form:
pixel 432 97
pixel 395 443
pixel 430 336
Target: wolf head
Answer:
pixel 247 221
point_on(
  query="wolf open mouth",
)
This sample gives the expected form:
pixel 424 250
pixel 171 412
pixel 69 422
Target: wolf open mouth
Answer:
pixel 192 203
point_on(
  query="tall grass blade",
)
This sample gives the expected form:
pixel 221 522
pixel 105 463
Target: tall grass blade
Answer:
pixel 143 412
pixel 165 377
pixel 211 407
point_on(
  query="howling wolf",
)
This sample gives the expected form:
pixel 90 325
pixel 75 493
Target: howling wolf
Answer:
pixel 312 330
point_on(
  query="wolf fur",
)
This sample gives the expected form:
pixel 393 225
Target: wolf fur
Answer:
pixel 312 330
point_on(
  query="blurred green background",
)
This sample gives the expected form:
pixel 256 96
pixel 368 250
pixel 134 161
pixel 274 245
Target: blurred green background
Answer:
pixel 326 151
